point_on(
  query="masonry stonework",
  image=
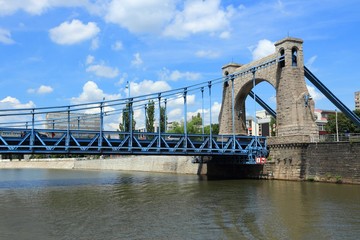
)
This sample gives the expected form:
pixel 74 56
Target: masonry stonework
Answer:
pixel 294 105
pixel 324 162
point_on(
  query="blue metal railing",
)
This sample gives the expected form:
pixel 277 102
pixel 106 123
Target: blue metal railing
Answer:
pixel 52 141
pixel 29 131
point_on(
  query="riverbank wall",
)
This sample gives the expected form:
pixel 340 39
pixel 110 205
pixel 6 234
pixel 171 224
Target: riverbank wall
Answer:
pixel 325 162
pixel 336 162
pixel 161 164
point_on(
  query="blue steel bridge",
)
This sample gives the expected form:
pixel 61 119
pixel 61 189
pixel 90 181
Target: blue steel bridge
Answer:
pixel 28 131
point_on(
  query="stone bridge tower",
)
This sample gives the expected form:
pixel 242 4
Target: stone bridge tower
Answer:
pixel 284 70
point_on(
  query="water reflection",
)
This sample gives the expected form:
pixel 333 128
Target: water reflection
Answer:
pixel 58 204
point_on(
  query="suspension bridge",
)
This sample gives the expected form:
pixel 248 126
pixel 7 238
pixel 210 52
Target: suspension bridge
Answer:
pixel 29 131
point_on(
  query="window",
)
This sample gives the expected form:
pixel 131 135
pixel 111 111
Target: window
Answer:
pixel 294 56
pixel 282 58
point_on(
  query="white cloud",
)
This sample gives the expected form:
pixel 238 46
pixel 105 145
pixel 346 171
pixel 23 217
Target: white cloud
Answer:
pixel 137 61
pixel 207 54
pixel 89 59
pixel 41 90
pixel 37 7
pixel 117 46
pixel 314 93
pixel 94 44
pixel 262 49
pixel 102 70
pixel 176 75
pixel 225 35
pixel 73 32
pixel 11 103
pixel 200 16
pixel 5 36
pixel 92 93
pixel 311 61
pixel 45 89
pixel 178 100
pixel 147 87
pixel 176 114
pixel 31 6
pixel 140 16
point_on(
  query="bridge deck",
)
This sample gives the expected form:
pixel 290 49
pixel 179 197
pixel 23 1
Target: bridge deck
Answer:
pixel 44 141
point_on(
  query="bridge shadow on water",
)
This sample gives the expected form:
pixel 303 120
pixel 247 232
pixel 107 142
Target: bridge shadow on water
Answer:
pixel 221 170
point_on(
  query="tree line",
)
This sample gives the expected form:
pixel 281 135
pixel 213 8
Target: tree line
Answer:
pixel 345 125
pixel 193 126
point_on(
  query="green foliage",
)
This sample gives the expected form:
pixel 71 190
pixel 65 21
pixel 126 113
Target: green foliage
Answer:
pixel 194 126
pixel 150 116
pixel 177 127
pixel 125 126
pixel 214 129
pixel 163 118
pixel 344 123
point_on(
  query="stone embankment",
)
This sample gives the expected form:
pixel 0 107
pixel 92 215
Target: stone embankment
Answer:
pixel 325 162
pixel 164 164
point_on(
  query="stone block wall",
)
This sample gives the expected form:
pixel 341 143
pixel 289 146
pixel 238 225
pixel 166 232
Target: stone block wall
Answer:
pixel 333 162
pixel 328 162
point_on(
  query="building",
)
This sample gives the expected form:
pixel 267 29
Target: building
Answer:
pixel 322 119
pixel 78 121
pixel 357 100
pixel 262 125
pixel 264 121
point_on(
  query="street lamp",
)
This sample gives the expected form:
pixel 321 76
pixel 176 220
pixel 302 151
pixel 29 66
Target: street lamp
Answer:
pixel 336 124
pixel 128 87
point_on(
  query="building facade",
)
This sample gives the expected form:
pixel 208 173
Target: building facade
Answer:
pixel 322 119
pixel 78 121
pixel 357 100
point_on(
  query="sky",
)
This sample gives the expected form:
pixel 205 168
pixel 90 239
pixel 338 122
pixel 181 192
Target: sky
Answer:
pixel 59 52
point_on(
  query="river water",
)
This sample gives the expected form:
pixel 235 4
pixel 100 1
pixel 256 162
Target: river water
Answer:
pixel 72 204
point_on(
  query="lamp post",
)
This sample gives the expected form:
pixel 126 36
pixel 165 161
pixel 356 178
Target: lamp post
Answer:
pixel 336 124
pixel 128 87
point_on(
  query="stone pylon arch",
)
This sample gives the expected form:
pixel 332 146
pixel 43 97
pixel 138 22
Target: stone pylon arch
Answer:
pixel 284 70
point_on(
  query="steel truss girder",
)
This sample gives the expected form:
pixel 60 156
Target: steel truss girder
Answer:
pixel 117 143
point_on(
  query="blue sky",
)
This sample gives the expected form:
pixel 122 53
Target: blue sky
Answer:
pixel 57 52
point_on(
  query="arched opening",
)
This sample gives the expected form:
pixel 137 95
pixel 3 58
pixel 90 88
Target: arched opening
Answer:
pixel 294 55
pixel 226 83
pixel 282 58
pixel 259 121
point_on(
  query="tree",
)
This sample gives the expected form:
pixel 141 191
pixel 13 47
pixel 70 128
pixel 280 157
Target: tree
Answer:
pixel 214 129
pixel 194 126
pixel 126 121
pixel 150 116
pixel 177 127
pixel 163 119
pixel 345 125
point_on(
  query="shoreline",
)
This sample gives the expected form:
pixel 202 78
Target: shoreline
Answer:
pixel 161 164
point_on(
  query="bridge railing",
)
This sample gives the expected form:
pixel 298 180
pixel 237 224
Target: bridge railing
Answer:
pixel 45 141
pixel 343 137
pixel 65 129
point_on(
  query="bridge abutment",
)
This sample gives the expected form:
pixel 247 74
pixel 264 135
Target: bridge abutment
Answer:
pixel 335 162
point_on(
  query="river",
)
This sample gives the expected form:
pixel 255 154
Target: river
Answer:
pixel 76 204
